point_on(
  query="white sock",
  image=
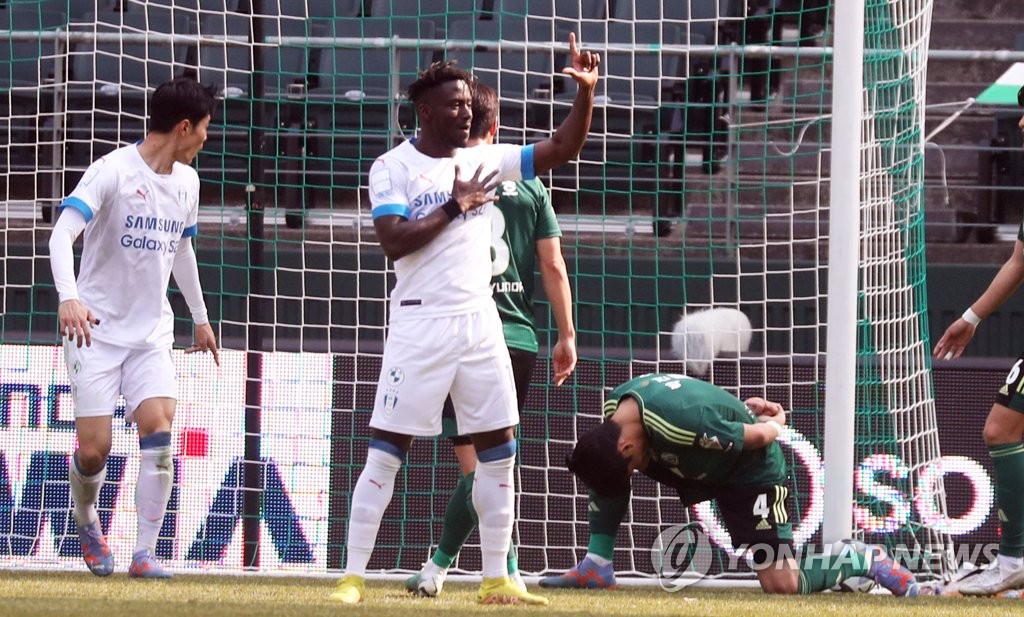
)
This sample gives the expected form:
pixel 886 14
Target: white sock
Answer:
pixel 85 491
pixel 599 560
pixel 1009 565
pixel 494 499
pixel 370 498
pixel 153 489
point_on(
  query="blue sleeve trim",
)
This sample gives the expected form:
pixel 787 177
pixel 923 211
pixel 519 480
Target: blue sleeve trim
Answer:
pixel 385 446
pixel 77 204
pixel 526 164
pixel 498 453
pixel 401 210
pixel 190 232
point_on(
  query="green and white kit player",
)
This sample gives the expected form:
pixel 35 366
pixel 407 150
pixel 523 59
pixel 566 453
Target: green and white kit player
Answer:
pixel 525 238
pixel 702 441
pixel 1004 426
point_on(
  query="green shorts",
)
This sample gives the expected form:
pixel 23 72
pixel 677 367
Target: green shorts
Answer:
pixel 753 515
pixel 449 427
pixel 1012 393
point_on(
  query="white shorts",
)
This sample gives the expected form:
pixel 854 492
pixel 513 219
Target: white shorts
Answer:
pixel 101 372
pixel 426 359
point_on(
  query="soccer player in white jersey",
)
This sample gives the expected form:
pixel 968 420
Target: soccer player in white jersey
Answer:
pixel 431 199
pixel 138 207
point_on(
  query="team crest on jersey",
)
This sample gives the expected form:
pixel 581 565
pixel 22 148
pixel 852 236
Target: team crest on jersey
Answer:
pixel 183 197
pixel 390 402
pixel 712 443
pixel 395 376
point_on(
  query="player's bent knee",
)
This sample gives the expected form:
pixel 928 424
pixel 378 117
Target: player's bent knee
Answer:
pixel 779 581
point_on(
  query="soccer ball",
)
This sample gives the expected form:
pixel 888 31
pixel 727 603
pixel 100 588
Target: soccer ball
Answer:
pixel 856 584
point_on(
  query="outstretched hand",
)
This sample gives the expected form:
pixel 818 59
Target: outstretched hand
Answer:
pixel 76 322
pixel 954 340
pixel 205 340
pixel 475 192
pixel 583 65
pixel 563 360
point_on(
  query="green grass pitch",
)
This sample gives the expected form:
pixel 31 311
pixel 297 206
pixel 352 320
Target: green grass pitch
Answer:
pixel 80 594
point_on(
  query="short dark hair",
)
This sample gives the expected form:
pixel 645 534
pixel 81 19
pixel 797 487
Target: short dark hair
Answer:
pixel 182 98
pixel 485 110
pixel 597 463
pixel 436 74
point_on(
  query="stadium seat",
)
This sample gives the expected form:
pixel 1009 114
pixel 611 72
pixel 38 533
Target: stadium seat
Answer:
pixel 28 63
pixel 705 18
pixel 329 9
pixel 137 61
pixel 222 65
pixel 190 6
pixel 80 10
pixel 111 79
pixel 566 10
pixel 634 94
pixel 355 99
pixel 439 12
pixel 27 80
pixel 284 73
pixel 518 75
pixel 219 6
pixel 367 72
pixel 285 8
pixel 713 22
pixel 288 64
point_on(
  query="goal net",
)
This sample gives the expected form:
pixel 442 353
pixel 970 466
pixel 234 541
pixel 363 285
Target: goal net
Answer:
pixel 704 184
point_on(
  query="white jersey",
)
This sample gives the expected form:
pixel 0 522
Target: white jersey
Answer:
pixel 451 275
pixel 136 218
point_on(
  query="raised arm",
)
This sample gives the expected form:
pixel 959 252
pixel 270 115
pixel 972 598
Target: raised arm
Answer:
pixel 1004 283
pixel 567 141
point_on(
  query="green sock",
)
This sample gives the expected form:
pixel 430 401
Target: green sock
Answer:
pixel 513 561
pixel 1008 464
pixel 820 572
pixel 605 515
pixel 459 521
pixel 602 544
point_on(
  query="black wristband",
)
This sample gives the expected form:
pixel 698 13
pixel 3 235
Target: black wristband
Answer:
pixel 452 209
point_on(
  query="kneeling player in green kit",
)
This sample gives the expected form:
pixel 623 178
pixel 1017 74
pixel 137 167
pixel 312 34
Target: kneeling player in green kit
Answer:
pixel 707 444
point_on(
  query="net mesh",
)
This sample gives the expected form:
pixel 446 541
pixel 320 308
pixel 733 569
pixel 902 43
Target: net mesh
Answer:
pixel 703 185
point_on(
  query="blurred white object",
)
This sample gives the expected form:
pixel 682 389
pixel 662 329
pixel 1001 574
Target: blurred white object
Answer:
pixel 700 337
